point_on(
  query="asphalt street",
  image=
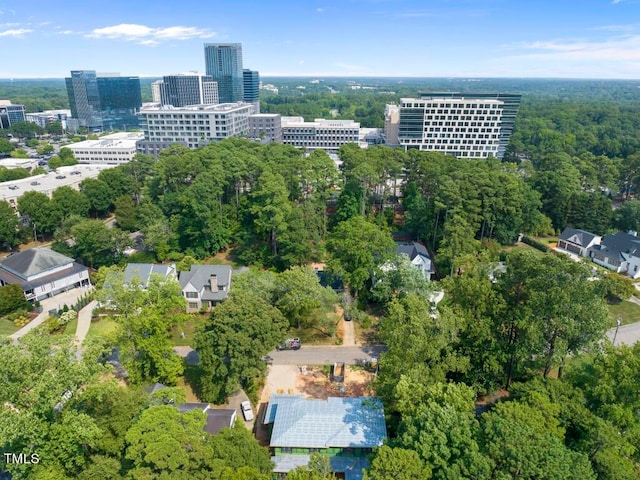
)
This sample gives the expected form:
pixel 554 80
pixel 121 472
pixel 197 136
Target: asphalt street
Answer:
pixel 308 355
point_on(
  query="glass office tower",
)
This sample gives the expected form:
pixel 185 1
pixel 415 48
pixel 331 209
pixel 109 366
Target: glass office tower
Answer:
pixel 120 101
pixel 223 63
pixel 84 100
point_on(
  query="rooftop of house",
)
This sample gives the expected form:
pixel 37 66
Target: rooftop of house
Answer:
pixel 411 249
pixel 617 244
pixel 187 407
pixel 144 271
pixel 335 422
pixel 200 275
pixel 219 418
pixel 579 237
pixel 34 261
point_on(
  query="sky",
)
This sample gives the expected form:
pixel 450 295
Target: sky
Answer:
pixel 347 38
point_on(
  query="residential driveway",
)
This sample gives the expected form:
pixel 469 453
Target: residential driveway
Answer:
pixel 234 403
pixel 55 303
pixel 187 352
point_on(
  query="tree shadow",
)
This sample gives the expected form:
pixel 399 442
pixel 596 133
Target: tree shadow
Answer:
pixel 192 375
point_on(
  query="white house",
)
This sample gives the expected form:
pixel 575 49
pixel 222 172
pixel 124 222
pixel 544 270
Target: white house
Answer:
pixel 578 241
pixel 42 273
pixel 619 252
pixel 144 272
pixel 418 255
pixel 204 286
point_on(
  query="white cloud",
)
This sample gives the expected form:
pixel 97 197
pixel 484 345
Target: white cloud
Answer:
pixel 622 48
pixel 150 36
pixel 350 67
pixel 319 10
pixel 18 32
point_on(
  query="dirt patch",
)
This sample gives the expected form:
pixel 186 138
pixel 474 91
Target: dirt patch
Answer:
pixel 315 383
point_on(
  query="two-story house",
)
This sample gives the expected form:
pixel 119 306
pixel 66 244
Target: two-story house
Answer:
pixel 204 286
pixel 619 252
pixel 418 255
pixel 42 273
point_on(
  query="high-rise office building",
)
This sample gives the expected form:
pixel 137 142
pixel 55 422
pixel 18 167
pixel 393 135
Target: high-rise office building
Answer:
pixel 465 125
pixel 156 95
pixel 10 114
pixel 252 88
pixel 108 101
pixel 223 62
pixel 120 101
pixel 84 100
pixel 188 89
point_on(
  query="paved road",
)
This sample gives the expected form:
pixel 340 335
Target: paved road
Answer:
pixel 628 334
pixel 309 355
pixel 326 355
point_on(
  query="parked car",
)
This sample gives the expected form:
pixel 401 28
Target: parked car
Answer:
pixel 289 344
pixel 35 182
pixel 60 177
pixel 347 316
pixel 247 411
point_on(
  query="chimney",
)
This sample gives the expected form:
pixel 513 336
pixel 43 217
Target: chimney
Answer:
pixel 213 281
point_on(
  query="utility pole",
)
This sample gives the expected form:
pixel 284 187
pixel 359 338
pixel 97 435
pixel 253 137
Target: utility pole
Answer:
pixel 615 335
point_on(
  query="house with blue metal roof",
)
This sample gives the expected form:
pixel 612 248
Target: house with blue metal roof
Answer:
pixel 346 429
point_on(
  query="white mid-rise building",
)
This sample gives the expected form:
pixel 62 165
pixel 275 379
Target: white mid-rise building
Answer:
pixel 42 119
pixel 194 125
pixel 464 125
pixel 319 134
pixel 114 149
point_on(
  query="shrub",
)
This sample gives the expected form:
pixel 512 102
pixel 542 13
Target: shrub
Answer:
pixel 66 317
pixel 535 244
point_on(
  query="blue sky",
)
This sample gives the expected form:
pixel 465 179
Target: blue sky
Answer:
pixel 427 38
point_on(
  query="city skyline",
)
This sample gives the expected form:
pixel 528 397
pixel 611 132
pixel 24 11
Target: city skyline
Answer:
pixel 348 38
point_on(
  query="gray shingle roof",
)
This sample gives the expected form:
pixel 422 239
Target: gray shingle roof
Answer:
pixel 199 276
pixel 579 237
pixel 145 270
pixel 219 418
pixel 619 246
pixel 411 249
pixel 33 262
pixel 334 422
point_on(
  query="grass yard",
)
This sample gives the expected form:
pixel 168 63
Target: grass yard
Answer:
pixel 629 312
pixel 189 328
pixel 71 327
pixel 102 328
pixel 7 327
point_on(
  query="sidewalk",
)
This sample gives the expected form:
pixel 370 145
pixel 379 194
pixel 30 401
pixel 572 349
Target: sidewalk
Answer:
pixel 84 322
pixel 68 298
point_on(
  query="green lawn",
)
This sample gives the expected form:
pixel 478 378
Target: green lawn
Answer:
pixel 7 327
pixel 71 327
pixel 189 329
pixel 627 311
pixel 103 327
